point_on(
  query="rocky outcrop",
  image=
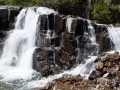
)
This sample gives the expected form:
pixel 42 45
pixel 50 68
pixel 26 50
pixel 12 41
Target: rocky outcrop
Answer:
pixel 7 16
pixel 65 41
pixel 102 37
pixel 62 41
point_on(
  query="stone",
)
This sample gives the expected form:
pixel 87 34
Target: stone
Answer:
pixel 115 82
pixel 95 74
pixel 3 19
pixel 59 21
pixel 99 66
pixel 68 43
pixel 12 14
pixel 7 16
pixel 69 22
pixel 51 21
pixel 81 27
pixel 103 81
pixel 42 20
pixel 106 75
pixel 118 76
pixel 102 37
pixel 117 67
pixel 104 70
pixel 108 64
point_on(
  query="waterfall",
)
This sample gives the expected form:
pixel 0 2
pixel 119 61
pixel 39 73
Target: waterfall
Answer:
pixel 16 60
pixel 83 69
pixel 93 45
pixel 114 34
pixel 20 44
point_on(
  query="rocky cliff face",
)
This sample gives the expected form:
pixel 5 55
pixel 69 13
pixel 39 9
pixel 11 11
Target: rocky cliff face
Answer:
pixel 8 15
pixel 65 41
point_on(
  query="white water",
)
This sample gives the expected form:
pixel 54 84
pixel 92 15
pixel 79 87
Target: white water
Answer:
pixel 16 60
pixel 83 69
pixel 92 45
pixel 114 34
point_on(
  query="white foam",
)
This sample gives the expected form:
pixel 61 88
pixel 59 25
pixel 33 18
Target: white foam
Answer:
pixel 114 34
pixel 16 61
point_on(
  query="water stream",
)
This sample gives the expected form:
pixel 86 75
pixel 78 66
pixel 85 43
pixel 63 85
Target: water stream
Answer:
pixel 16 71
pixel 16 60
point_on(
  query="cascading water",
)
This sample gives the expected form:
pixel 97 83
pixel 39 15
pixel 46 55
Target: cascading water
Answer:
pixel 16 60
pixel 114 34
pixel 88 66
pixel 92 45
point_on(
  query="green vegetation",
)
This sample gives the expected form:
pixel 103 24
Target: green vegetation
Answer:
pixel 103 11
pixel 33 2
pixel 106 11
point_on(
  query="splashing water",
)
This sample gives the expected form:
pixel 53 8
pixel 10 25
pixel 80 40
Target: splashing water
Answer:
pixel 114 34
pixel 16 60
pixel 93 44
pixel 82 69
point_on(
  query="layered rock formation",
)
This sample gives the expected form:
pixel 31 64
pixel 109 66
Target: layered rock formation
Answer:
pixel 65 41
pixel 62 41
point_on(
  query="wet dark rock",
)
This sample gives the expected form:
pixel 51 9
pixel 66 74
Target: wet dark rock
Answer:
pixel 3 36
pixel 95 74
pixel 59 21
pixel 68 43
pixel 82 26
pixel 102 37
pixel 44 62
pixel 99 66
pixel 51 21
pixel 76 26
pixel 7 16
pixel 3 19
pixel 71 25
pixel 12 17
pixel 115 82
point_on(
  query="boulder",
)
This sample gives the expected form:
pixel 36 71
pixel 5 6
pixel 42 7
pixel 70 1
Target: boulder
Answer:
pixel 99 66
pixel 102 81
pixel 95 74
pixel 115 82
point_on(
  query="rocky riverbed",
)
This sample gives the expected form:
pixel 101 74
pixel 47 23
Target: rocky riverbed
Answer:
pixel 106 76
